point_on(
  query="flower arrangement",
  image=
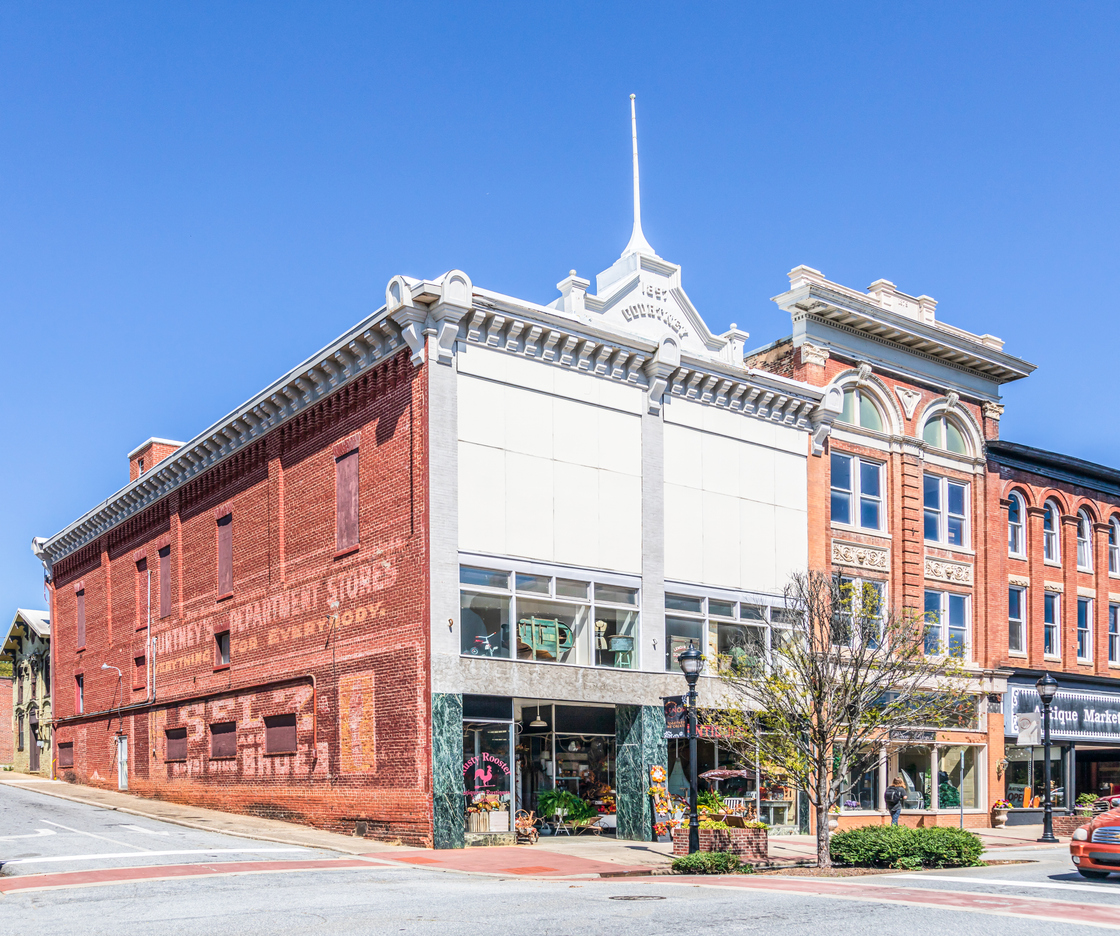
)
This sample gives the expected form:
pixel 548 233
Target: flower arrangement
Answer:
pixel 486 803
pixel 851 804
pixel 660 828
pixel 657 774
pixel 1001 804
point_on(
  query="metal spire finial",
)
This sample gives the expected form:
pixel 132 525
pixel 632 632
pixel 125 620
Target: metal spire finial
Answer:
pixel 638 242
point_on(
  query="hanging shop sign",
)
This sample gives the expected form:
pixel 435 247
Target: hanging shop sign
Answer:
pixel 1074 715
pixel 676 718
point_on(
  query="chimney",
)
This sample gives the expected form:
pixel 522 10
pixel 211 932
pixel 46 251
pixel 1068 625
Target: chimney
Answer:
pixel 149 454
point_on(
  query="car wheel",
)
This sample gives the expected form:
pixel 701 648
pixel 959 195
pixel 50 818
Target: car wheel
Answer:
pixel 1096 875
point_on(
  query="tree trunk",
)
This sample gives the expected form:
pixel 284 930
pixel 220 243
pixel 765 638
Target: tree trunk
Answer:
pixel 824 857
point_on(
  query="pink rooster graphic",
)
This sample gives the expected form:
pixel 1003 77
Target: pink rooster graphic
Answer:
pixel 483 775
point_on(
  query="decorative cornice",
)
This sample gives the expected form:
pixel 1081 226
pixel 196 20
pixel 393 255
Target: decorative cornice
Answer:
pixel 992 410
pixel 941 570
pixel 860 556
pixel 813 354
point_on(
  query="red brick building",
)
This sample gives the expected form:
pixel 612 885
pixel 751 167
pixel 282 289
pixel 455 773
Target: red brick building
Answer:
pixel 7 721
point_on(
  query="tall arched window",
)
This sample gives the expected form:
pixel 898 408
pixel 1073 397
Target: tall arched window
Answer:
pixel 1114 546
pixel 1016 541
pixel 943 433
pixel 1084 541
pixel 860 410
pixel 1050 521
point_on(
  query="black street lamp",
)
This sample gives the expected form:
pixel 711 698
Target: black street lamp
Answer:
pixel 690 661
pixel 1047 688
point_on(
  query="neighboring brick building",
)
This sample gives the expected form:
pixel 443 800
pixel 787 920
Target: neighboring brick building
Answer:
pixel 1056 608
pixel 903 502
pixel 27 696
pixel 7 721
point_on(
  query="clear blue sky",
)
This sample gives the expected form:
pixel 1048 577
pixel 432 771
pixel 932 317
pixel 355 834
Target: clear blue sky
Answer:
pixel 195 196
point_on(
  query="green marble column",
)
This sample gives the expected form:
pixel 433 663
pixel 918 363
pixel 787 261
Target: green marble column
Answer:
pixel 640 740
pixel 447 770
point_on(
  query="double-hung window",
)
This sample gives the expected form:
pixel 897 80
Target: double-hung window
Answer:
pixel 1084 628
pixel 861 617
pixel 1114 633
pixel 1113 548
pixel 1015 619
pixel 1084 542
pixel 1050 643
pixel 1050 521
pixel 946 511
pixel 1015 538
pixel 946 623
pixel 857 491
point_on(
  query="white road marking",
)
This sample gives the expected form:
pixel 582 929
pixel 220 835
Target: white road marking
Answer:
pixel 136 828
pixel 38 833
pixel 151 854
pixel 59 825
pixel 1049 885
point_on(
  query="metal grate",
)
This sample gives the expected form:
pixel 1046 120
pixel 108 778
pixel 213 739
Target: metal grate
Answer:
pixel 1109 835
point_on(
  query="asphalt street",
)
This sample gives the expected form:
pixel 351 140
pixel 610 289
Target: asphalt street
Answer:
pixel 66 859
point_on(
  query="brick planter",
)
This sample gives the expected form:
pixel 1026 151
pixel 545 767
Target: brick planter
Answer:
pixel 747 843
pixel 1065 826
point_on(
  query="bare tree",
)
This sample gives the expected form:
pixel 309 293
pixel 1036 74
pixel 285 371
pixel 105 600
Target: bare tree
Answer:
pixel 846 673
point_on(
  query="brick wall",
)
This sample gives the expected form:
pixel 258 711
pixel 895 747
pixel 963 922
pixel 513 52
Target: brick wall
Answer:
pixel 340 641
pixel 749 843
pixel 7 723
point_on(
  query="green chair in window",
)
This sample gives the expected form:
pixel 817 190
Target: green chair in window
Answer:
pixel 543 638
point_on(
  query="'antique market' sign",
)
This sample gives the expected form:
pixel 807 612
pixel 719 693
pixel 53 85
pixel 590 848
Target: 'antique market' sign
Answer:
pixel 1074 715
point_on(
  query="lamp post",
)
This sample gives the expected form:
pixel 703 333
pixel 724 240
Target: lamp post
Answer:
pixel 690 660
pixel 1047 688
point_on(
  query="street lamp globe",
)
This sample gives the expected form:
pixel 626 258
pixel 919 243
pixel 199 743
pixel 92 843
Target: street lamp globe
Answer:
pixel 1047 688
pixel 690 660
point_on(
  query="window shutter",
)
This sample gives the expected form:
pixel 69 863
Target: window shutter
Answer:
pixel 176 744
pixel 81 597
pixel 225 555
pixel 223 739
pixel 346 489
pixel 165 581
pixel 66 754
pixel 280 734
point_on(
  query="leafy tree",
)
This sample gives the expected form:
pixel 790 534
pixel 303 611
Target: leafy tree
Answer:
pixel 847 673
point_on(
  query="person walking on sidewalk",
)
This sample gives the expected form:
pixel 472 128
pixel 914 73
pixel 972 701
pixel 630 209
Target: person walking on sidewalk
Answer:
pixel 895 796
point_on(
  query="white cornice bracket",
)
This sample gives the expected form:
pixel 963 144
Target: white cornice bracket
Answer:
pixel 659 369
pixel 823 416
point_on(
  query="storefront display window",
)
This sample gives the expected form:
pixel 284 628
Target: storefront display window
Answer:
pixel 915 764
pixel 863 792
pixel 545 619
pixel 1025 776
pixel 487 775
pixel 958 779
pixel 738 634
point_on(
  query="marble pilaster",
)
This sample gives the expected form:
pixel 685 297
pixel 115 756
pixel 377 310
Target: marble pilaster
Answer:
pixel 449 805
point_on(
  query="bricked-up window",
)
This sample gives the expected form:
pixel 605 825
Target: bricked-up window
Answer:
pixel 139 672
pixel 346 509
pixel 225 556
pixel 280 734
pixel 176 744
pixel 221 649
pixel 79 693
pixel 223 739
pixel 66 754
pixel 165 581
pixel 143 596
pixel 80 598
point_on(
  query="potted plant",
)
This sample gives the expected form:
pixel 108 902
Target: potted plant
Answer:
pixel 999 813
pixel 1085 803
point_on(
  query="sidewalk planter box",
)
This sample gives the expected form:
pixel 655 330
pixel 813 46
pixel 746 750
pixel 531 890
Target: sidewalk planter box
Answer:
pixel 746 843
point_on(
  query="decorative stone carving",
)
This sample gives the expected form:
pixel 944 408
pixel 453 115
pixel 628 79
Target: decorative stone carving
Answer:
pixel 952 398
pixel 910 400
pixel 1021 580
pixel 860 556
pixel 992 410
pixel 957 573
pixel 862 373
pixel 813 354
pixel 1053 587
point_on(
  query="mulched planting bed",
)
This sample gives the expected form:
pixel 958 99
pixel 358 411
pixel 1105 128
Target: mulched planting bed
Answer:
pixel 857 872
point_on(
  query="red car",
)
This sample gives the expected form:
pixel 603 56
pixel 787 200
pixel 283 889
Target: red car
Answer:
pixel 1095 848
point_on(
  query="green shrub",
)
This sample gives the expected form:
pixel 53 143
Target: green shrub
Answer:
pixel 906 848
pixel 707 863
pixel 1086 799
pixel 713 824
pixel 710 799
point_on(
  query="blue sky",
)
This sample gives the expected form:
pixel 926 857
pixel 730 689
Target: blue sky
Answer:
pixel 193 197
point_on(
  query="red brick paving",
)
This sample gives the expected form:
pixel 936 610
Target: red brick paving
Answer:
pixel 503 859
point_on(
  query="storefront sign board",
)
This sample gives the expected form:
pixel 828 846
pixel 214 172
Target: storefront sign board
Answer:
pixel 1074 715
pixel 676 718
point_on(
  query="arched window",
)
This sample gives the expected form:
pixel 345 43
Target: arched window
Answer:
pixel 1050 520
pixel 1114 546
pixel 860 410
pixel 1016 542
pixel 1084 541
pixel 943 433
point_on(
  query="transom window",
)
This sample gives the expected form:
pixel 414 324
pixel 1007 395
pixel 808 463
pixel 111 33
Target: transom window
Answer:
pixel 737 634
pixel 859 410
pixel 946 517
pixel 946 622
pixel 1050 522
pixel 1016 541
pixel 943 433
pixel 857 491
pixel 1084 541
pixel 543 618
